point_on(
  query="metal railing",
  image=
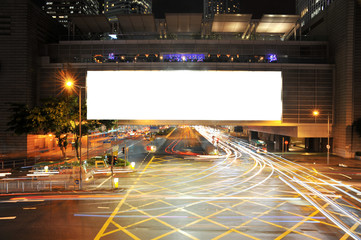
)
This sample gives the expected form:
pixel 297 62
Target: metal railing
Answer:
pixel 13 185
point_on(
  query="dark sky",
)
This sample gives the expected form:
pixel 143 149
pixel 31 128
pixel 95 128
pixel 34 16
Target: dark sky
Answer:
pixel 255 7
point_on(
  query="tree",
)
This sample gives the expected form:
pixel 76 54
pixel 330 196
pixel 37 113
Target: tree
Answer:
pixel 54 115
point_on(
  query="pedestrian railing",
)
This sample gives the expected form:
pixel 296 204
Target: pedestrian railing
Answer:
pixel 15 185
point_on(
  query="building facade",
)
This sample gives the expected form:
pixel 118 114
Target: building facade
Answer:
pixel 24 32
pixel 112 8
pixel 339 23
pixel 213 7
pixel 62 10
pixel 308 9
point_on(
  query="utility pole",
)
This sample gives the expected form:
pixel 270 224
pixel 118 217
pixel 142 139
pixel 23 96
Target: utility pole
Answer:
pixel 328 139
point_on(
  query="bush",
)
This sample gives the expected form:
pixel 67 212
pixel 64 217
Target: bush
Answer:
pixel 121 163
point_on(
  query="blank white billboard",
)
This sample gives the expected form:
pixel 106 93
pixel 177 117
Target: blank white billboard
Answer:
pixel 184 95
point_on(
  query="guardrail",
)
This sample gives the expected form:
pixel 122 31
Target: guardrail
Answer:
pixel 13 185
pixel 16 163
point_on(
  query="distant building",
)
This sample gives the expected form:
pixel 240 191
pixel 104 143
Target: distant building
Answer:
pixel 308 9
pixel 61 10
pixel 212 7
pixel 112 8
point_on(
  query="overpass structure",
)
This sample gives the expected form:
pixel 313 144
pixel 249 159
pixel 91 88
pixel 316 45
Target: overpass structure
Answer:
pixel 228 43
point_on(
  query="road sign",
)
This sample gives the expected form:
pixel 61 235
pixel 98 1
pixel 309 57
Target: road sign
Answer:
pixel 77 181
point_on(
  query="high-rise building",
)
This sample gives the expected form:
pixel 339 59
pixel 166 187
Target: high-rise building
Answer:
pixel 61 10
pixel 20 52
pixel 308 9
pixel 212 7
pixel 112 8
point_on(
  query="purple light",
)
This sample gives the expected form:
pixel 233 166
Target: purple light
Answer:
pixel 111 56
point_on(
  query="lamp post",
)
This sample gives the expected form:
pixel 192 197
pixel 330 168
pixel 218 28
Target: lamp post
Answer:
pixel 316 113
pixel 328 139
pixel 70 84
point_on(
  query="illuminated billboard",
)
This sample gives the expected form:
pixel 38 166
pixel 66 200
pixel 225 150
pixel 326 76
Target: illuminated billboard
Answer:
pixel 184 95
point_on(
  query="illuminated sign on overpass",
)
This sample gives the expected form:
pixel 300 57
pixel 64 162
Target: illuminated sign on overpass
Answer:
pixel 185 95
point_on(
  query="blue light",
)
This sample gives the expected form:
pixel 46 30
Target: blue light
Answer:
pixel 111 56
pixel 272 57
pixel 183 57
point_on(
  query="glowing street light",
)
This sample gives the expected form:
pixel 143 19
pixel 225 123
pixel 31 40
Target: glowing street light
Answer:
pixel 69 83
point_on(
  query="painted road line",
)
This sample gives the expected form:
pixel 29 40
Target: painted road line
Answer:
pixel 101 233
pixel 29 208
pixel 103 182
pixel 170 133
pixel 353 228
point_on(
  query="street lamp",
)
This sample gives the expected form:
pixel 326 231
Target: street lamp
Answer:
pixel 316 113
pixel 70 84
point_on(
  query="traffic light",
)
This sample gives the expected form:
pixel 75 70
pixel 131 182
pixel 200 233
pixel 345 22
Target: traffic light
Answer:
pixel 123 150
pixel 115 160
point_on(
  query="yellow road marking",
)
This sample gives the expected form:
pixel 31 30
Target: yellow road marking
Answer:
pixel 299 223
pixel 170 133
pixel 116 210
pixel 201 218
pixel 242 233
pixel 344 237
pixel 125 230
pixel 270 223
pixel 295 214
pixel 168 225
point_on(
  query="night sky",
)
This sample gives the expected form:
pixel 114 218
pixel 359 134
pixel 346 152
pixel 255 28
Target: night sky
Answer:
pixel 255 7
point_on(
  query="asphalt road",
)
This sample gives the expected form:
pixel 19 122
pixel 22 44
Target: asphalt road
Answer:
pixel 178 195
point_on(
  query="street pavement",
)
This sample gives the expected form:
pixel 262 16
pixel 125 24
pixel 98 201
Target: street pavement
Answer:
pixel 174 194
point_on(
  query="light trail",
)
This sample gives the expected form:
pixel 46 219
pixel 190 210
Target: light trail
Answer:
pixel 294 172
pixel 8 218
pixel 324 212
